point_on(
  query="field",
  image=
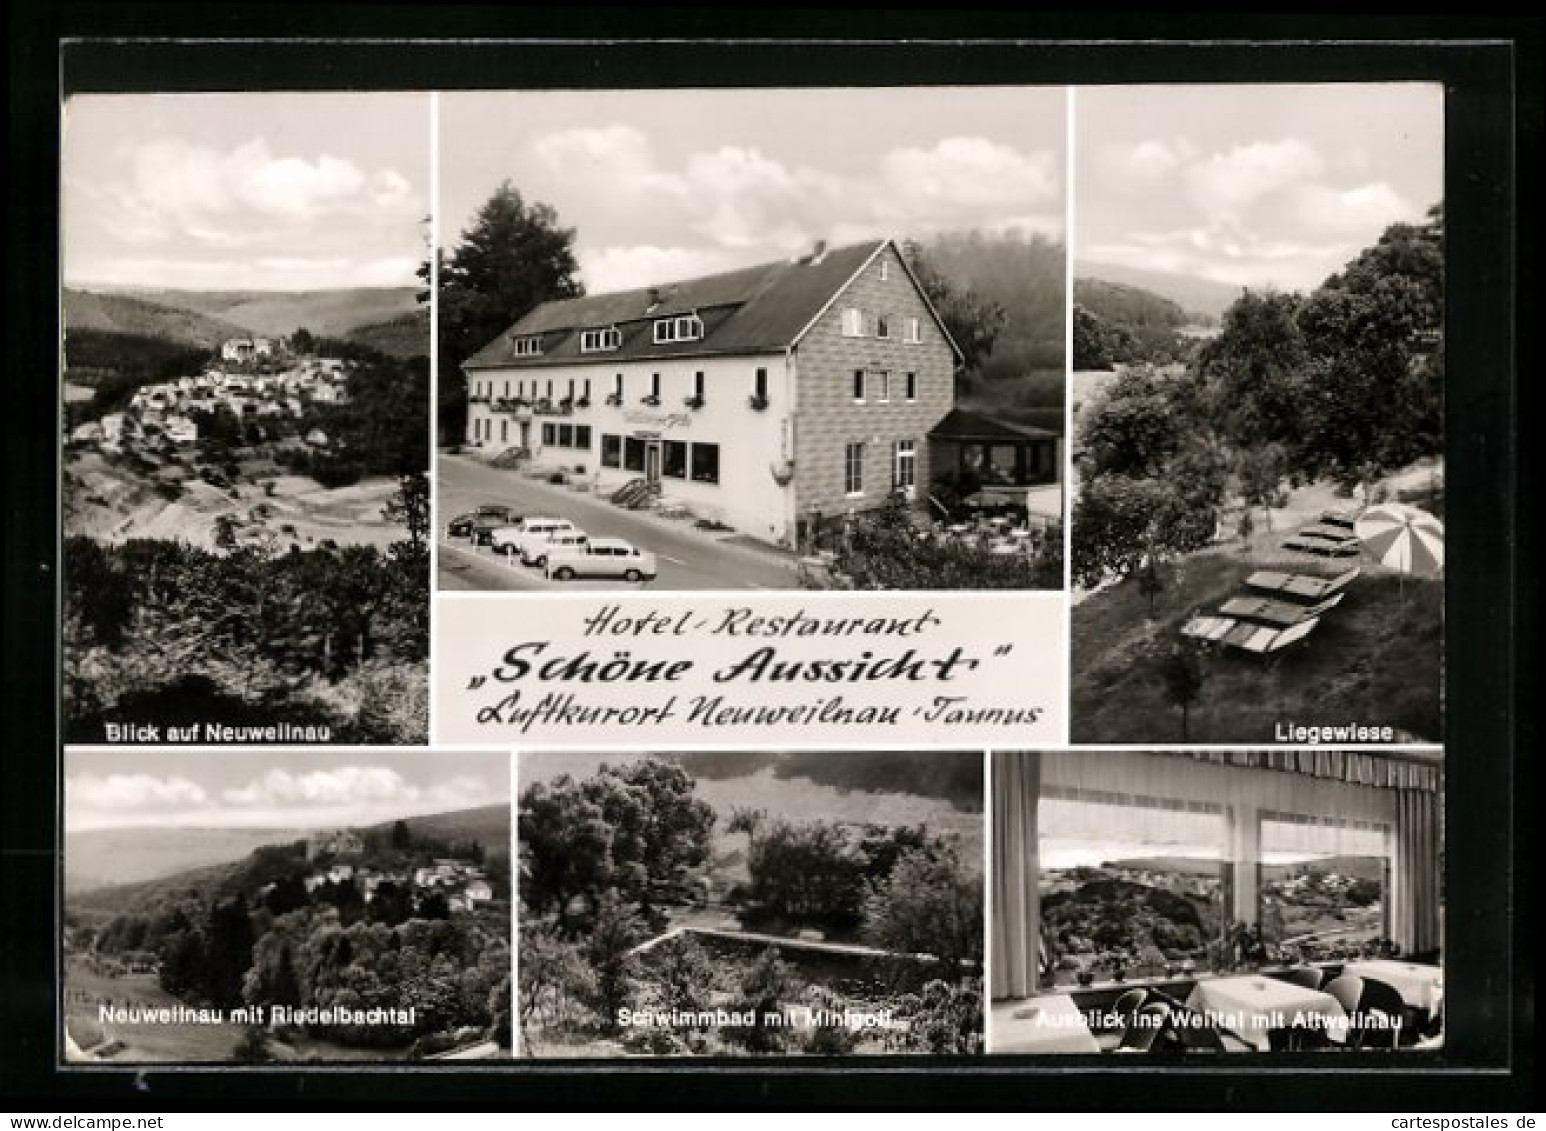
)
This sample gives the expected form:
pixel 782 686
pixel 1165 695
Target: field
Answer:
pixel 186 1044
pixel 113 501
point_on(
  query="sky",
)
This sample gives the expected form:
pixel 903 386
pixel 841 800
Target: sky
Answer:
pixel 1259 186
pixel 185 788
pixel 663 185
pixel 259 191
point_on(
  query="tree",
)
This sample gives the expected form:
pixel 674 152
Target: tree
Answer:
pixel 927 904
pixel 973 321
pixel 1180 670
pixel 684 973
pixel 637 829
pixel 401 837
pixel 767 984
pixel 609 951
pixel 511 258
pixel 1255 370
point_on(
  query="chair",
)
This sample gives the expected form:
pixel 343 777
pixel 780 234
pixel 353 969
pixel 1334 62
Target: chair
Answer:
pixel 1126 1006
pixel 1385 1000
pixel 1307 976
pixel 1348 990
pixel 1280 613
pixel 1144 1028
pixel 1199 1032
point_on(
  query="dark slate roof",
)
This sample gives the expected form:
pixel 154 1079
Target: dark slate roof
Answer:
pixel 753 310
pixel 959 424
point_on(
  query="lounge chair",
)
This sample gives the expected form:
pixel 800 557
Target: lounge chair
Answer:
pixel 1300 586
pixel 1326 546
pixel 1339 518
pixel 1227 632
pixel 1329 531
pixel 1280 613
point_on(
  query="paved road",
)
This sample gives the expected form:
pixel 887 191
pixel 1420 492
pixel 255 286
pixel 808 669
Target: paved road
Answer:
pixel 688 559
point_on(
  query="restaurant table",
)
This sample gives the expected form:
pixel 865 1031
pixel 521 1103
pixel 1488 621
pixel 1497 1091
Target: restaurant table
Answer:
pixel 1420 986
pixel 1052 1023
pixel 1252 1005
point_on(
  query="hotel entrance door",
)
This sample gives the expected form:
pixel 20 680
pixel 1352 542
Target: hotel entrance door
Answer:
pixel 652 462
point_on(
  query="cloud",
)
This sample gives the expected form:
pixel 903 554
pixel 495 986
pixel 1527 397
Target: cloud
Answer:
pixel 1364 209
pixel 256 272
pixel 624 268
pixel 239 197
pixel 1141 166
pixel 121 793
pixel 353 787
pixel 1225 253
pixel 744 202
pixel 1224 184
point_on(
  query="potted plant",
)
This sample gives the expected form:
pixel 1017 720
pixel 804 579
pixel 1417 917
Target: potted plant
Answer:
pixel 1084 972
pixel 693 402
pixel 583 402
pixel 652 400
pixel 615 400
pixel 757 403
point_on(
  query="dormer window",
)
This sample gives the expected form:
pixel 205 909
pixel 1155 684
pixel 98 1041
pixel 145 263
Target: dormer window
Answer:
pixel 528 346
pixel 682 328
pixel 600 341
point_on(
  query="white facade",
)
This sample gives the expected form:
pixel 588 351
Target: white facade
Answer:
pixel 745 451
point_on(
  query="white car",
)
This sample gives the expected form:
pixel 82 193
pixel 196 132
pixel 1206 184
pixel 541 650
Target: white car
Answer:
pixel 511 539
pixel 536 548
pixel 601 557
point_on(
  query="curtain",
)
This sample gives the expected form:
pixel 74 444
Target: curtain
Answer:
pixel 1415 902
pixel 1016 946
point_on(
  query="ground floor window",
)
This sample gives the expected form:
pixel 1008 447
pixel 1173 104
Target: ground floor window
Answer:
pixel 611 450
pixel 906 476
pixel 1323 882
pixel 504 431
pixel 705 463
pixel 853 469
pixel 633 454
pixel 675 466
pixel 582 436
pixel 566 435
pixel 549 435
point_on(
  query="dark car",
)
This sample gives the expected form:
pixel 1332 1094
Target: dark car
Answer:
pixel 462 525
pixel 484 525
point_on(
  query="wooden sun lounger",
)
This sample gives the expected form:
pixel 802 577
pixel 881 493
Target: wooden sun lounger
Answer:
pixel 1328 531
pixel 1280 613
pixel 1300 586
pixel 1322 546
pixel 1259 640
pixel 1339 518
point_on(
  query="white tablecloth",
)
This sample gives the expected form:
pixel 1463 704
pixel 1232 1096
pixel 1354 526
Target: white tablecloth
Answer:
pixel 1051 1023
pixel 1252 1005
pixel 1421 987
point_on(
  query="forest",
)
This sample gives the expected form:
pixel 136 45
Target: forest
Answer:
pixel 625 910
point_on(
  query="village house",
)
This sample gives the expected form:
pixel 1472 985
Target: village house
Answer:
pixel 763 398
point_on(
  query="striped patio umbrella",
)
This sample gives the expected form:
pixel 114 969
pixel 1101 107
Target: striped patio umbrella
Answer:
pixel 1403 538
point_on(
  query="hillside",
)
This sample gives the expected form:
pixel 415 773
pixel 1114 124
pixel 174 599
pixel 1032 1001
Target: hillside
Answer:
pixel 1192 293
pixel 145 318
pixel 489 825
pixel 1132 308
pixel 108 857
pixel 271 856
pixel 405 336
pixel 277 314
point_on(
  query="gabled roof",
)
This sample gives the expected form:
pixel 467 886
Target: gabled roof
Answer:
pixel 763 309
pixel 959 424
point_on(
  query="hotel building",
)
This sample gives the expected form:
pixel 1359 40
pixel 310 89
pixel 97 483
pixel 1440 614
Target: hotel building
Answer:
pixel 762 398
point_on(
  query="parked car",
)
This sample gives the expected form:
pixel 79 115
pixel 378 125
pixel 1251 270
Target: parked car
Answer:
pixel 535 550
pixel 484 526
pixel 601 557
pixel 496 513
pixel 509 539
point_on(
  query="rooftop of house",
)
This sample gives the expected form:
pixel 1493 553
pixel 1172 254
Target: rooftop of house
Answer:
pixel 761 309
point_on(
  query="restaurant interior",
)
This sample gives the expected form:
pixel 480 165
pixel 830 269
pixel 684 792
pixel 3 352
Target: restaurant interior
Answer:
pixel 1181 902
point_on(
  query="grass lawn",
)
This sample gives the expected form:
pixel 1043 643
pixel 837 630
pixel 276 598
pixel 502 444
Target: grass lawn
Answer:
pixel 170 1044
pixel 1374 660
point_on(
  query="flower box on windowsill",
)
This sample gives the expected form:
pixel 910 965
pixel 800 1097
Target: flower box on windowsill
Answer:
pixel 583 402
pixel 651 400
pixel 615 400
pixel 757 403
pixel 693 402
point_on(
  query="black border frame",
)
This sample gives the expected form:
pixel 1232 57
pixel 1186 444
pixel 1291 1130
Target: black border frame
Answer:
pixel 1491 67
